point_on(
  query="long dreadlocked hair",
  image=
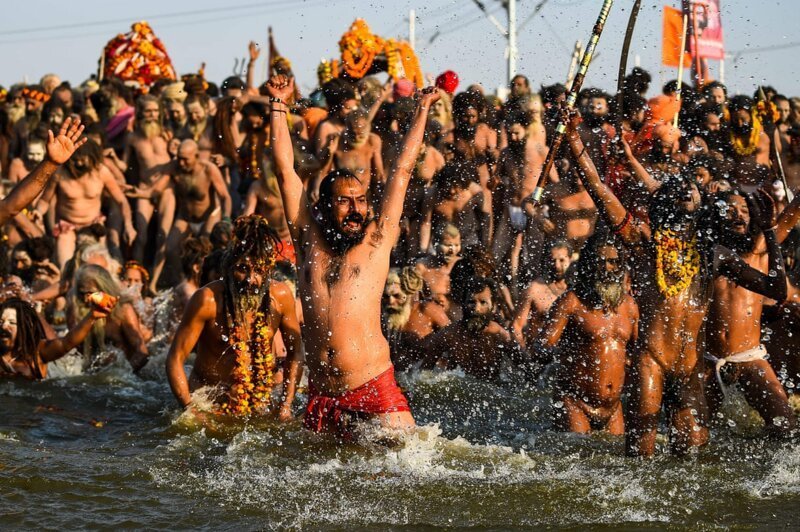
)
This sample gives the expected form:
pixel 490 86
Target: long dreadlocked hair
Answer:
pixel 30 330
pixel 255 239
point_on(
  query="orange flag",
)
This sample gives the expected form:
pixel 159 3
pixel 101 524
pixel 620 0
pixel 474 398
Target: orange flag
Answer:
pixel 671 42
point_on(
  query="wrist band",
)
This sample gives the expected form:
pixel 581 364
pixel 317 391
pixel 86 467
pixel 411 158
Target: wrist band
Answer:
pixel 275 100
pixel 618 228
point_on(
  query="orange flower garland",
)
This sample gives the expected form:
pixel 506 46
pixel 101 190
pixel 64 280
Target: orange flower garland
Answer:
pixel 137 56
pixel 254 370
pixel 360 47
pixel 677 259
pixel 750 147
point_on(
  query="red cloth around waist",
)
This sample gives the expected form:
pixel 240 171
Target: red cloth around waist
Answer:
pixel 379 395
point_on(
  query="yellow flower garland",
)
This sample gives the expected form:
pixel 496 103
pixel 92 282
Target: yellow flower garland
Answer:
pixel 752 140
pixel 677 259
pixel 255 367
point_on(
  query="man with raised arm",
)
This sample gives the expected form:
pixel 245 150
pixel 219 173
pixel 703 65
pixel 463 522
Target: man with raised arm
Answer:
pixel 343 263
pixel 59 149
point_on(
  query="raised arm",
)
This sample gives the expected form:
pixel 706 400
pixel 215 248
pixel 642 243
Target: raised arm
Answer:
pixel 788 219
pixel 399 176
pixel 254 52
pixel 200 309
pixel 290 331
pixel 51 350
pixel 293 194
pixel 609 205
pixel 59 149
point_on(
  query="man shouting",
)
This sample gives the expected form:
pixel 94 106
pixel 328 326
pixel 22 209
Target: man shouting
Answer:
pixel 344 260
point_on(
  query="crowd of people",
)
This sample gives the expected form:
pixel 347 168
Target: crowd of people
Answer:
pixel 371 227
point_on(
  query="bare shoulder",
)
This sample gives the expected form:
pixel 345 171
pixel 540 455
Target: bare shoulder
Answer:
pixel 281 292
pixel 203 303
pixel 498 330
pixel 475 189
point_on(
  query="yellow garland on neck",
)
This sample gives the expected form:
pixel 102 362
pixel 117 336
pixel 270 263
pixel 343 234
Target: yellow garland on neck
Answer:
pixel 739 146
pixel 677 259
pixel 254 370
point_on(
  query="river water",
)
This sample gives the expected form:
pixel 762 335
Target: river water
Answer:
pixel 109 450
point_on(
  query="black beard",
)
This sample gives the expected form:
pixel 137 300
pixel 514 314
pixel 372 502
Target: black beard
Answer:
pixel 339 241
pixel 715 140
pixel 743 129
pixel 517 147
pixel 636 125
pixel 594 121
pixel 740 243
pixel 476 323
pixel 465 131
pixel 657 156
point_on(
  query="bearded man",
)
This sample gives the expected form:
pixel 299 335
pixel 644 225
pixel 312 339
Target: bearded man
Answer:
pixel 199 125
pixel 406 320
pixel 541 293
pixel 476 343
pixel 121 327
pixel 749 145
pixel 590 328
pixel 344 260
pixel 230 323
pixel 675 264
pixel 27 343
pixel 148 150
pixel 472 139
pixel 76 195
pixel 734 327
pixel 22 166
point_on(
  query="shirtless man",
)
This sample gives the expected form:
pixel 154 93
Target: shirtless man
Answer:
pixel 341 100
pixel 458 199
pixel 406 320
pixel 198 189
pixel 20 167
pixel 356 149
pixel 244 304
pixel 472 139
pixel 541 293
pixel 344 264
pixel 148 150
pixel 476 343
pixel 734 328
pixel 590 328
pixel 264 198
pixel 519 166
pixel 429 163
pixel 27 343
pixel 122 326
pixel 435 270
pixel 77 197
pixel 199 125
pixel 673 298
pixel 750 145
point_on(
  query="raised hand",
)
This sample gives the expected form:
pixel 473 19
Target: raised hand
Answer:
pixel 762 209
pixel 428 96
pixel 281 87
pixel 254 51
pixel 60 148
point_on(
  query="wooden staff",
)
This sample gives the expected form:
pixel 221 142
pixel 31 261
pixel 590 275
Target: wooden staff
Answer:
pixel 555 143
pixel 623 63
pixel 773 144
pixel 680 71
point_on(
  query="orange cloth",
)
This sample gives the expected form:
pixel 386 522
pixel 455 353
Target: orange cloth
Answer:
pixel 380 395
pixel 313 116
pixel 287 251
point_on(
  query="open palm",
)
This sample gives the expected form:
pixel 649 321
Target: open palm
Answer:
pixel 61 147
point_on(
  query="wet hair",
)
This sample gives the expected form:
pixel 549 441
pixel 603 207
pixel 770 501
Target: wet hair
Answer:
pixel 257 109
pixel 193 252
pixel 224 141
pixel 221 234
pixel 475 285
pixel 740 103
pixel 95 231
pixel 30 330
pixel 662 205
pixel 551 93
pixel 212 267
pixel 671 87
pixel 637 82
pixel 39 248
pixel 458 174
pixel 354 116
pixel 337 91
pixel 632 104
pixel 466 100
pixel 408 278
pixel 325 202
pixel 52 105
pixel 475 261
pixel 713 224
pixel 523 78
pixel 101 277
pixel 587 267
pixel 96 129
pixel 89 149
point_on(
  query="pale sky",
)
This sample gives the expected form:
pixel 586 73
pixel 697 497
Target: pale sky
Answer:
pixel 67 37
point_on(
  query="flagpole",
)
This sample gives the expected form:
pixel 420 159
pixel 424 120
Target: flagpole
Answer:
pixel 680 70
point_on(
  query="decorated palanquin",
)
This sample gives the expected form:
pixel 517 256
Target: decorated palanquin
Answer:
pixel 137 56
pixel 364 54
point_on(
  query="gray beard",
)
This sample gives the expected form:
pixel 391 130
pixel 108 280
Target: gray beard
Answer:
pixel 611 293
pixel 150 130
pixel 395 321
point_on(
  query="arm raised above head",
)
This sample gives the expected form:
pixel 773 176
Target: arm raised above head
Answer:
pixel 293 193
pixel 400 174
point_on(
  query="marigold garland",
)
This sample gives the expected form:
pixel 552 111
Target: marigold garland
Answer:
pixel 254 370
pixel 675 259
pixel 137 56
pixel 739 145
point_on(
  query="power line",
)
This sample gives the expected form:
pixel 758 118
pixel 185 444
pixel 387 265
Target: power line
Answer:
pixel 277 3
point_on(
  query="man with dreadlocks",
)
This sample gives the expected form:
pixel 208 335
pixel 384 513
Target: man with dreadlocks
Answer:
pixel 231 323
pixel 592 324
pixel 344 260
pixel 676 263
pixel 27 344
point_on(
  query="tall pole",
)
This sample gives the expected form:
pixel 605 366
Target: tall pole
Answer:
pixel 680 71
pixel 511 6
pixel 412 30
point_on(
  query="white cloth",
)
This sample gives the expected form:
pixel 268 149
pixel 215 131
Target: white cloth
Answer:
pixel 756 353
pixel 517 218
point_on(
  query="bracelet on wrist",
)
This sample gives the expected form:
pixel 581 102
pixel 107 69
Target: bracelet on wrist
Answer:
pixel 275 100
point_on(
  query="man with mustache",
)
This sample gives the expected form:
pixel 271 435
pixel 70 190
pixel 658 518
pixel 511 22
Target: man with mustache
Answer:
pixel 473 140
pixel 76 196
pixel 749 145
pixel 435 270
pixel 230 324
pixel 541 293
pixel 343 263
pixel 476 343
pixel 199 125
pixel 407 320
pixel 589 329
pixel 27 343
pixel 735 351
